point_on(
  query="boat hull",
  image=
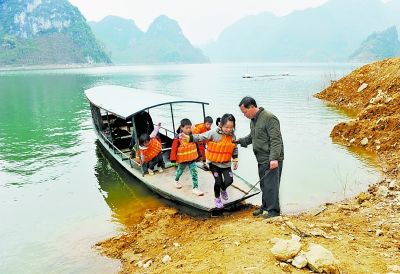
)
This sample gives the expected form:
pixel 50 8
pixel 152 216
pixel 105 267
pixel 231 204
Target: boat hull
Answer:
pixel 164 183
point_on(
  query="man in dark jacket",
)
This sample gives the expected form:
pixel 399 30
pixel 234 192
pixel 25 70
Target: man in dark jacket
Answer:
pixel 265 135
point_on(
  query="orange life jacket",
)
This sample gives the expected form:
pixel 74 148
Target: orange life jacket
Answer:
pixel 174 150
pixel 152 150
pixel 186 152
pixel 220 152
pixel 199 128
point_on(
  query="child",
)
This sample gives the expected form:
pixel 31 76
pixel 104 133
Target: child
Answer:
pixel 185 155
pixel 199 129
pixel 221 149
pixel 150 152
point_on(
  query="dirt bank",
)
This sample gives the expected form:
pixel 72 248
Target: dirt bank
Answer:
pixel 363 236
pixel 373 93
pixel 362 233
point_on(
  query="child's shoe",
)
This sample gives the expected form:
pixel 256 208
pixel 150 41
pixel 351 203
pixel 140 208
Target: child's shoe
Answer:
pixel 178 185
pixel 197 192
pixel 160 169
pixel 218 203
pixel 224 195
pixel 151 172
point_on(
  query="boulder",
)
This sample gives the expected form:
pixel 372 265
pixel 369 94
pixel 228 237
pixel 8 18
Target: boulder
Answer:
pixel 364 141
pixel 322 260
pixel 392 184
pixel 284 250
pixel 362 87
pixel 382 192
pixel 381 97
pixel 300 261
pixel 166 259
pixel 147 264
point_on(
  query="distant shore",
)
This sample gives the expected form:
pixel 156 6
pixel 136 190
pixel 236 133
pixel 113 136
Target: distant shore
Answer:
pixel 77 66
pixel 53 66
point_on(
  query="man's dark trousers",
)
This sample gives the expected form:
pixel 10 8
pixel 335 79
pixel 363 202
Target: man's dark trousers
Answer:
pixel 270 188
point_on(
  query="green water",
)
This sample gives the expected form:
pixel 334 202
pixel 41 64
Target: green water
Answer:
pixel 59 194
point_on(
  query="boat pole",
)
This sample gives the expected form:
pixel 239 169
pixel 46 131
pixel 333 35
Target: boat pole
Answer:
pixel 265 174
pixel 172 115
pixel 109 129
pixel 133 138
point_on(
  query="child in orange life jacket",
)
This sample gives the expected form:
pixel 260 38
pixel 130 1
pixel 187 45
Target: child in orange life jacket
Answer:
pixel 185 154
pixel 150 151
pixel 199 129
pixel 221 152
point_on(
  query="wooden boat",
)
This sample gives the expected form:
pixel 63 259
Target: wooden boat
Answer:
pixel 121 114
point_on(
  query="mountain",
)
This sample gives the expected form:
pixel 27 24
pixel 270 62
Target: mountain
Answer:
pixel 378 46
pixel 42 32
pixel 329 32
pixel 119 35
pixel 163 42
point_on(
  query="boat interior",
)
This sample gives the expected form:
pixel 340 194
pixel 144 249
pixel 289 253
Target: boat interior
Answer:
pixel 122 134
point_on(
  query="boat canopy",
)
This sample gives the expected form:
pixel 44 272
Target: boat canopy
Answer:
pixel 126 102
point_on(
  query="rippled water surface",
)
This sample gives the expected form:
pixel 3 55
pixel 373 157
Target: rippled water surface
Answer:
pixel 59 194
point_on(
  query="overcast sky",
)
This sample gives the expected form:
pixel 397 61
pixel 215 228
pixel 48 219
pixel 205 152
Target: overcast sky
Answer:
pixel 201 20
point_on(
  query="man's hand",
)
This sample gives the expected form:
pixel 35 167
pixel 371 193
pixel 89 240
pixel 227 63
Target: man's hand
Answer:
pixel 273 164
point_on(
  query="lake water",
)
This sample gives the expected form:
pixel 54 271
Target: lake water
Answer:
pixel 59 194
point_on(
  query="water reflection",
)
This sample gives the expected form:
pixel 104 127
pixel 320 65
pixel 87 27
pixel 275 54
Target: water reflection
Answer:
pixel 127 197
